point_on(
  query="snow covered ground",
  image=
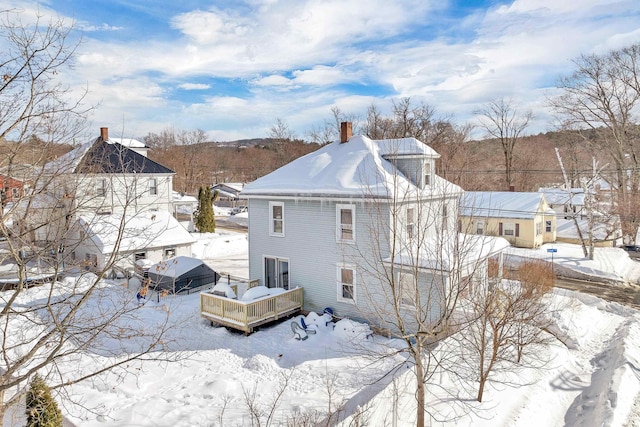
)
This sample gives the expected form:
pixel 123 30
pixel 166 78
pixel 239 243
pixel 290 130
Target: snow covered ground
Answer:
pixel 591 379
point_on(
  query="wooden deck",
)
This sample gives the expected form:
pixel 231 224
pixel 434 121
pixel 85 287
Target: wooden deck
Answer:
pixel 246 315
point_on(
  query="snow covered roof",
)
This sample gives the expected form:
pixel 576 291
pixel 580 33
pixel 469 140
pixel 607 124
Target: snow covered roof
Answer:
pixel 502 204
pixel 180 198
pixel 563 196
pixel 127 142
pixel 357 168
pixel 434 255
pixel 104 156
pixel 155 229
pixel 237 186
pixel 176 266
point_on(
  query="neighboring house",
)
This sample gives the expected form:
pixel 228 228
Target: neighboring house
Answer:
pixel 604 235
pixel 11 189
pixel 229 194
pixel 183 208
pixel 565 202
pixel 152 236
pixel 524 219
pixel 337 221
pixel 108 185
pixel 104 176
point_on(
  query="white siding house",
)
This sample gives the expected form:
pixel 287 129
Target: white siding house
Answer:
pixel 355 219
pixel 110 184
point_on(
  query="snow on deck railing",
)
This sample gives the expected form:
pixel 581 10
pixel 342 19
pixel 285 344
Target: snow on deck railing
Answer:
pixel 245 315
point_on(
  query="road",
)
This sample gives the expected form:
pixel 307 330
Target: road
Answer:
pixel 627 295
pixel 223 223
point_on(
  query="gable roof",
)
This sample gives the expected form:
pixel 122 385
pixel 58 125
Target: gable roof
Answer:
pixel 177 266
pixel 357 168
pixel 105 156
pixel 155 229
pixel 563 196
pixel 501 204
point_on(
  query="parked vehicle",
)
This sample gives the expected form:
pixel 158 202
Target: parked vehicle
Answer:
pixel 239 209
pixel 632 250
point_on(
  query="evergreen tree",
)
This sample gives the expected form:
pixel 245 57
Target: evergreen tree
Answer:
pixel 42 410
pixel 205 219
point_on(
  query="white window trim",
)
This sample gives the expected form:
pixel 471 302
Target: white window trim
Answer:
pixel 484 227
pixel 340 207
pixel 511 226
pixel 427 175
pixel 339 296
pixel 101 187
pixel 277 260
pixel 271 228
pixel 403 274
pixel 410 223
pixel 154 187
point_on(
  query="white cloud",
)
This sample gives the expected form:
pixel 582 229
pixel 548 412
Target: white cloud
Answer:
pixel 194 86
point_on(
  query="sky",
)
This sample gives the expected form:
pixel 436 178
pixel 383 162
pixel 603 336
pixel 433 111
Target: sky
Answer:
pixel 234 67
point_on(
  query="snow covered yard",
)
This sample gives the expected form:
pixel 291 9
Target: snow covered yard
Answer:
pixel 590 378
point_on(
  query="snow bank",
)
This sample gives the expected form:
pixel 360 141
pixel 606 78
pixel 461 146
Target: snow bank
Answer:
pixel 347 329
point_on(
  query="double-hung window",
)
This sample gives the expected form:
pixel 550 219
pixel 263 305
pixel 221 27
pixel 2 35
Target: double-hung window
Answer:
pixel 276 219
pixel 408 290
pixel 427 174
pixel 153 187
pixel 410 222
pixel 346 284
pixel 345 223
pixel 480 227
pixel 101 187
pixel 548 226
pixel 510 229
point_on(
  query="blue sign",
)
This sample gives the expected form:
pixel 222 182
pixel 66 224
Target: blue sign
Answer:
pixel 552 250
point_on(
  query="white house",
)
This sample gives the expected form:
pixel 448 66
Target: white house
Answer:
pixel 108 185
pixel 565 202
pixel 359 216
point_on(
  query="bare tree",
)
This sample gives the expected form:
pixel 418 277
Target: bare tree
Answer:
pixel 501 120
pixel 600 101
pixel 414 266
pixel 46 327
pixel 507 323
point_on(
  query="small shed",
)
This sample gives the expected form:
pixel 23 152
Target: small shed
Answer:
pixel 181 273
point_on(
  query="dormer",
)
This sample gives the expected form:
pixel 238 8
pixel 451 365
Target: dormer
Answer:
pixel 414 159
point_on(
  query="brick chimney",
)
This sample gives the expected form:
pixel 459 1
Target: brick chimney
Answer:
pixel 104 133
pixel 346 131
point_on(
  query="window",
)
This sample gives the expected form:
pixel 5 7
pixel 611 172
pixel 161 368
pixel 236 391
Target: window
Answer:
pixel 410 222
pixel 509 229
pixel 169 253
pixel 427 174
pixel 346 284
pixel 15 193
pixel 139 255
pixel 538 228
pixel 479 227
pixel 153 187
pixel 345 223
pixel 276 219
pixel 548 226
pixel 101 187
pixel 276 272
pixel 445 217
pixel 407 282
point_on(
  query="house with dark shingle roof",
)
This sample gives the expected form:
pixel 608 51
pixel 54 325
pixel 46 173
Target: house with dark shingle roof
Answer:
pixel 112 181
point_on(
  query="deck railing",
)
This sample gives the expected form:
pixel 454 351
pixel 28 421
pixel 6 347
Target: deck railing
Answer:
pixel 245 315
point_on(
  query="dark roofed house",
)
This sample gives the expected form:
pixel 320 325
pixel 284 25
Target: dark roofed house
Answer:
pixel 112 179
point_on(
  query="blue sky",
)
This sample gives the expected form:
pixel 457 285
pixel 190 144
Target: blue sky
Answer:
pixel 232 68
